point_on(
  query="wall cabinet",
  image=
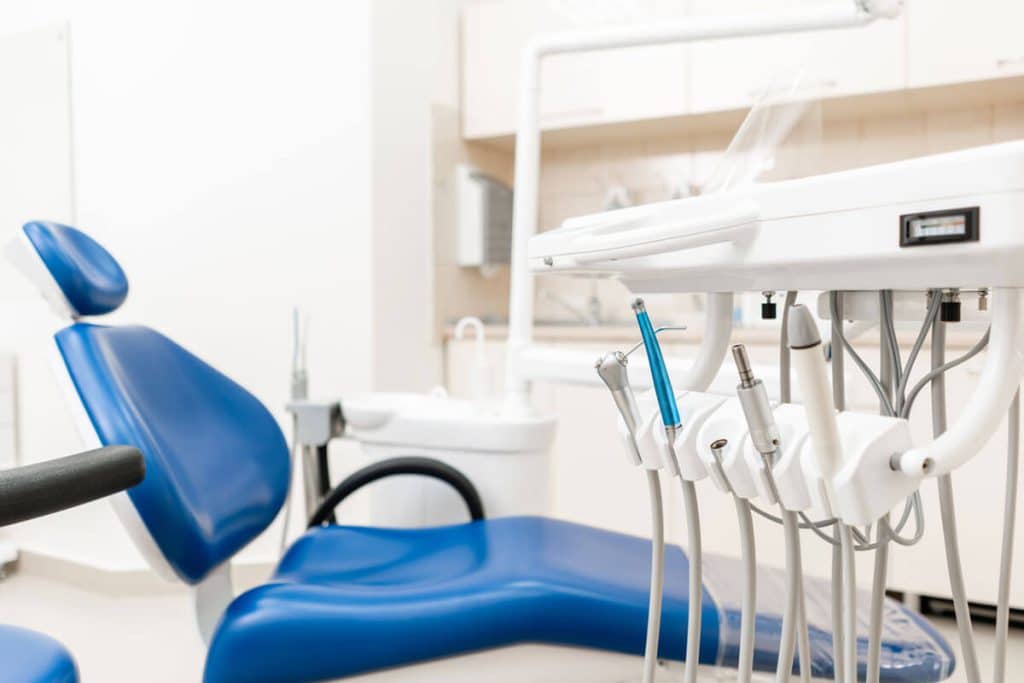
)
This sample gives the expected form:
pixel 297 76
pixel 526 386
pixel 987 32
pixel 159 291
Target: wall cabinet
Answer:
pixel 734 74
pixel 578 89
pixel 951 41
pixel 935 42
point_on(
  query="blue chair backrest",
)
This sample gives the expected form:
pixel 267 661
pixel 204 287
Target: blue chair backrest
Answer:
pixel 217 464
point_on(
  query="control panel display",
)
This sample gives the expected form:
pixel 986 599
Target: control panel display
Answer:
pixel 937 227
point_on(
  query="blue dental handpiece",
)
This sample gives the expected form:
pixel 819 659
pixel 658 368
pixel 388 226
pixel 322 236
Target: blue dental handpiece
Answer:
pixel 659 373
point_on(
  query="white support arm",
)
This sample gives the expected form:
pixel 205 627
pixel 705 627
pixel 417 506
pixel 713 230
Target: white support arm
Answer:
pixel 972 428
pixel 527 165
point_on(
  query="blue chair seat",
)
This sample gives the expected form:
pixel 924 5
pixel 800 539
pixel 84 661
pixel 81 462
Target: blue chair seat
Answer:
pixel 343 598
pixel 30 657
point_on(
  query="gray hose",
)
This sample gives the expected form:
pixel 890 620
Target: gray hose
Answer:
pixel 838 644
pixel 878 604
pixel 748 618
pixel 839 397
pixel 849 605
pixel 1009 524
pixel 948 514
pixel 657 576
pixel 838 369
pixel 791 617
pixel 693 622
pixel 803 640
pixel 785 376
pixel 837 333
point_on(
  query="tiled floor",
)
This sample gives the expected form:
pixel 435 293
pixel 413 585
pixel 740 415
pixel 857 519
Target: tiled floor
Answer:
pixel 115 638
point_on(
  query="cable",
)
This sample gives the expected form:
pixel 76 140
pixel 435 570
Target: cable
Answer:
pixel 941 370
pixel 792 623
pixel 948 512
pixel 849 604
pixel 881 568
pixel 839 397
pixel 785 378
pixel 696 587
pixel 748 611
pixel 1006 553
pixel 929 322
pixel 868 373
pixel 657 576
pixel 892 381
pixel 838 642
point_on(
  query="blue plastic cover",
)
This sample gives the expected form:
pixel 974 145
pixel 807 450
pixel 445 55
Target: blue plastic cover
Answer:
pixel 217 464
pixel 363 599
pixel 30 657
pixel 91 280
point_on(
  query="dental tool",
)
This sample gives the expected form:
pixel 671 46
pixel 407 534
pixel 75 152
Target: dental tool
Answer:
pixel 671 420
pixel 765 437
pixel 611 368
pixel 809 361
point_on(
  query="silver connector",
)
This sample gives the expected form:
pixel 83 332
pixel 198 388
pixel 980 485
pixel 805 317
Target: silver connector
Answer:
pixel 757 409
pixel 638 305
pixel 739 355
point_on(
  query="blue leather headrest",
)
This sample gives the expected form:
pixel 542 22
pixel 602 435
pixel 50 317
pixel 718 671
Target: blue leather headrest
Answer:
pixel 90 278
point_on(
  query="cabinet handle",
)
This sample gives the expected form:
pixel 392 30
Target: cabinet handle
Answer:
pixel 1009 61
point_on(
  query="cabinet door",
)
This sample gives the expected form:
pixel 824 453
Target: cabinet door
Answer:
pixel 953 40
pixel 576 89
pixel 733 74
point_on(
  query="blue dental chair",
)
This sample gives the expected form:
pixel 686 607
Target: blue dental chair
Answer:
pixel 345 600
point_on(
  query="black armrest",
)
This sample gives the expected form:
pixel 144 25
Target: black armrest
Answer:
pixel 47 487
pixel 427 467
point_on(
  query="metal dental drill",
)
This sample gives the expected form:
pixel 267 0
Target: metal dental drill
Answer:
pixel 764 435
pixel 671 420
pixel 611 368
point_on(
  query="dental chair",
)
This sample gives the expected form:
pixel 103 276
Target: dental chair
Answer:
pixel 347 601
pixel 34 491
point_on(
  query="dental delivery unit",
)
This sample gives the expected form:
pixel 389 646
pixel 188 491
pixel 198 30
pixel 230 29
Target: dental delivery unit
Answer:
pixel 896 242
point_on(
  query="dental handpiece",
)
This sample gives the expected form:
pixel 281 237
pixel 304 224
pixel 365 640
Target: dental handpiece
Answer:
pixel 659 373
pixel 611 368
pixel 765 436
pixel 809 362
pixel 812 376
pixel 764 433
pixel 670 418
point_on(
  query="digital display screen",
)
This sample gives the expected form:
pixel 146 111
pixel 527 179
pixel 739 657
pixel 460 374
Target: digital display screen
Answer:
pixel 938 227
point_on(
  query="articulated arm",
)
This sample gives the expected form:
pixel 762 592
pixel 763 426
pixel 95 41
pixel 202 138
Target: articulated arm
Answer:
pixel 1000 378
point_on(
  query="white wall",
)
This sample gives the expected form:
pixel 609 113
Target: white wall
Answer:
pixel 415 66
pixel 222 151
